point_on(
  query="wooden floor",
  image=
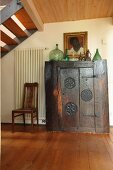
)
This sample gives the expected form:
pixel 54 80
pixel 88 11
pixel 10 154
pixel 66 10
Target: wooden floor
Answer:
pixel 44 150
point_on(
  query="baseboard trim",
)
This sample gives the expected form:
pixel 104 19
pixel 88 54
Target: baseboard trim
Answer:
pixel 21 124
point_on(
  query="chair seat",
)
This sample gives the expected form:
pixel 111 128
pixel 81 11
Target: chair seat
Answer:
pixel 24 110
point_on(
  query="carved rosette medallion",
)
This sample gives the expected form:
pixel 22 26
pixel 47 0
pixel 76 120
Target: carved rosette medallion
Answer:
pixel 71 109
pixel 86 95
pixel 69 83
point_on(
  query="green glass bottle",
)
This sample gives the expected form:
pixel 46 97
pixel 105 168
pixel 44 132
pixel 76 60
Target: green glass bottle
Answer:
pixel 56 54
pixel 66 55
pixel 97 56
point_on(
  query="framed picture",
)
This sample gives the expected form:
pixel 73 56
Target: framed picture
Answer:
pixel 75 43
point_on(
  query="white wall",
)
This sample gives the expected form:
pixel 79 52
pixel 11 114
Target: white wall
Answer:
pixel 100 35
pixel 7 83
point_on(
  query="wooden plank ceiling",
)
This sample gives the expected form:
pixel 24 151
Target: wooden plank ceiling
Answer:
pixel 72 10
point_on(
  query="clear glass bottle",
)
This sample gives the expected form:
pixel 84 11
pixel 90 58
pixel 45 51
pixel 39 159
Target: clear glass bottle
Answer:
pixel 97 56
pixel 56 54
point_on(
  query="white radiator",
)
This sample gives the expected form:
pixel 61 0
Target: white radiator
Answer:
pixel 29 67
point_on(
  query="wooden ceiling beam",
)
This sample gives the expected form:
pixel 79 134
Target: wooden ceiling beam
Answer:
pixel 33 13
pixel 25 19
pixel 2 49
pixel 11 8
pixel 6 39
pixel 6 48
pixel 14 28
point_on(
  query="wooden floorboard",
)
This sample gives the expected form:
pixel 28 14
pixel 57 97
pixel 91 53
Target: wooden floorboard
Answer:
pixel 42 150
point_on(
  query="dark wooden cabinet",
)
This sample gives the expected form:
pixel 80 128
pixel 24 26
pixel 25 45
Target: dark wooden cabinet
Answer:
pixel 77 96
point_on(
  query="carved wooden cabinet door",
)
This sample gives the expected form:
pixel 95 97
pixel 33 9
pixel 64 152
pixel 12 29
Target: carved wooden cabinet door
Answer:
pixel 68 85
pixel 87 119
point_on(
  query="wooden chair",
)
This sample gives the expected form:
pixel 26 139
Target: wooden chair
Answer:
pixel 30 104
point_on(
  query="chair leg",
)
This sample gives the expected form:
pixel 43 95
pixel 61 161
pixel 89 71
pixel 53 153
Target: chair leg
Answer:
pixel 32 120
pixel 12 121
pixel 24 119
pixel 37 117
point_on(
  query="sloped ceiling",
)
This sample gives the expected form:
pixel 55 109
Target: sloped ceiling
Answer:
pixel 69 10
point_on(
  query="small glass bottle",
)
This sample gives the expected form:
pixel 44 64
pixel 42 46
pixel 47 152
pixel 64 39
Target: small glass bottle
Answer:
pixel 97 56
pixel 66 55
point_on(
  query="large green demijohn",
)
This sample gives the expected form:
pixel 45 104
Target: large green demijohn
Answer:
pixel 56 54
pixel 97 56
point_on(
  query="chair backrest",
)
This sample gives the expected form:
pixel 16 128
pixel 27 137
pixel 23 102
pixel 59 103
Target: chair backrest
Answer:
pixel 30 99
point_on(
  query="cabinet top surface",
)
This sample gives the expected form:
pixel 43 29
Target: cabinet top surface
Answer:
pixel 75 63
